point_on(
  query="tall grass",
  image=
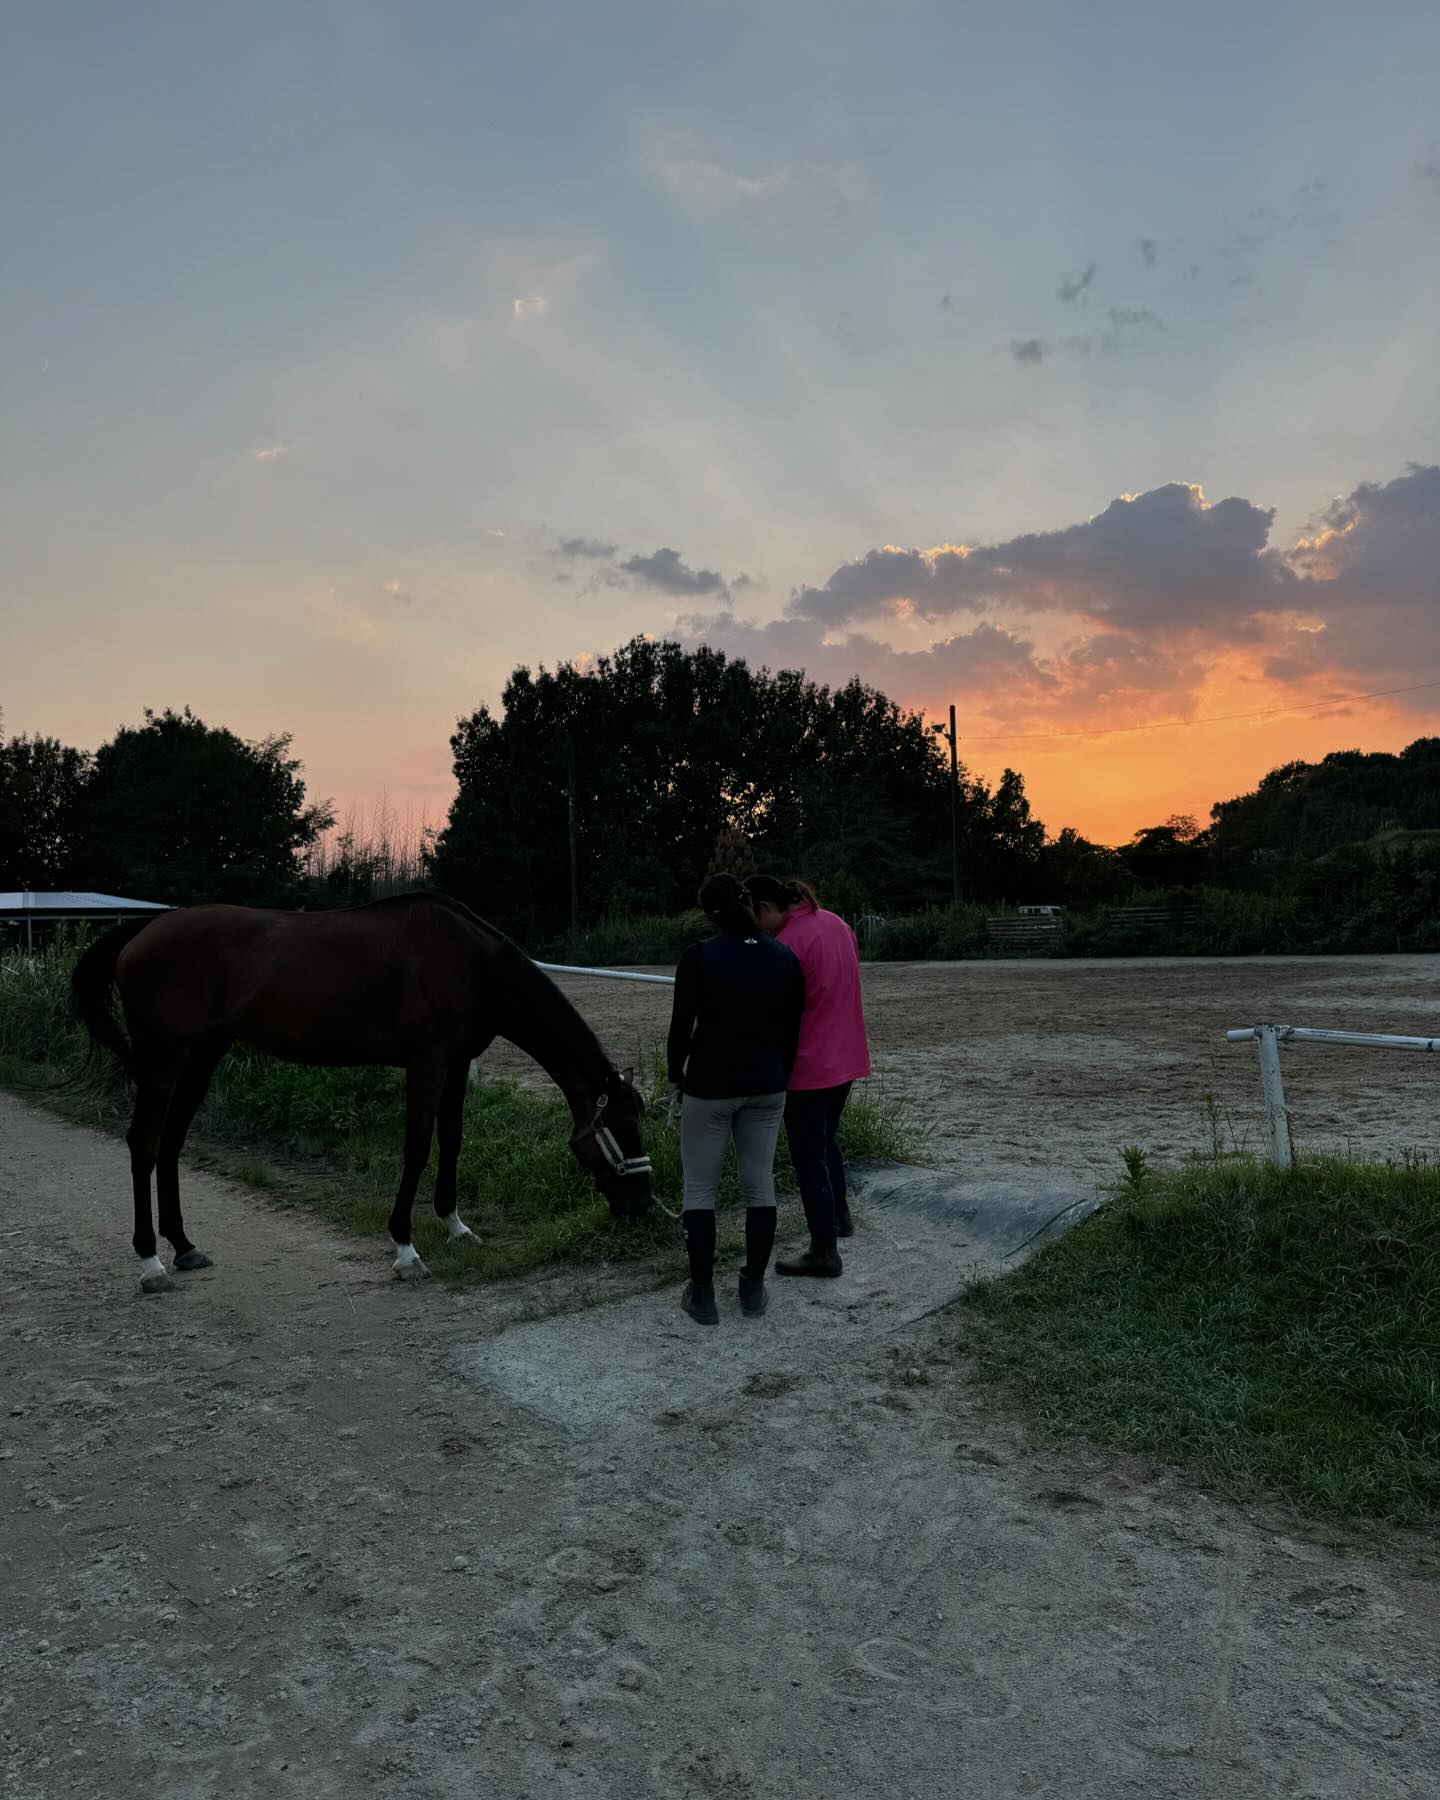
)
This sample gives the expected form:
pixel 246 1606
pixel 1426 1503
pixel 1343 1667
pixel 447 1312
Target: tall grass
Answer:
pixel 1277 1327
pixel 332 1137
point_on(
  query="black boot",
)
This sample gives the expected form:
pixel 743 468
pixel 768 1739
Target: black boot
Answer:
pixel 822 1258
pixel 698 1299
pixel 759 1242
pixel 753 1295
pixel 844 1223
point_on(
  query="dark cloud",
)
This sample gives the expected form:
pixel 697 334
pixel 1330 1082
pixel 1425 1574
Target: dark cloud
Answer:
pixel 1159 583
pixel 1073 288
pixel 1035 350
pixel 1368 573
pixel 591 548
pixel 970 661
pixel 947 303
pixel 1129 322
pixel 1162 557
pixel 845 331
pixel 664 569
pixel 1429 171
pixel 1149 251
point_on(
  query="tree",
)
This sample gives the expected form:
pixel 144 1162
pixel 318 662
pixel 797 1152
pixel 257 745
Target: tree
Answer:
pixel 181 812
pixel 671 748
pixel 1073 872
pixel 1173 855
pixel 42 783
pixel 733 854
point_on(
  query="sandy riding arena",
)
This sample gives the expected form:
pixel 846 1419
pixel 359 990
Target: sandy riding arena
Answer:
pixel 296 1528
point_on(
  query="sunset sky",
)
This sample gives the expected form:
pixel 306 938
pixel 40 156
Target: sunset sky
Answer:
pixel 1078 364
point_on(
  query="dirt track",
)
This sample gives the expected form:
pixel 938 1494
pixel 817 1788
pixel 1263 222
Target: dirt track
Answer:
pixel 1043 1070
pixel 296 1528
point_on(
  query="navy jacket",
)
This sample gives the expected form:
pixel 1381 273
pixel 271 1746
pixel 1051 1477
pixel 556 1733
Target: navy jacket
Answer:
pixel 736 1017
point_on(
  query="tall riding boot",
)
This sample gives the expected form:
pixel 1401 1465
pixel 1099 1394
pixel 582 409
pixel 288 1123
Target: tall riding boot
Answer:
pixel 698 1299
pixel 759 1242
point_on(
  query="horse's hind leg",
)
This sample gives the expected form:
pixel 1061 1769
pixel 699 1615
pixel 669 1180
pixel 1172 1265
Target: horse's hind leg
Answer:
pixel 449 1128
pixel 423 1084
pixel 155 1081
pixel 185 1102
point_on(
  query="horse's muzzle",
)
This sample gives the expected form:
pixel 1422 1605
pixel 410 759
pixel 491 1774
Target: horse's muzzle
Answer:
pixel 629 1195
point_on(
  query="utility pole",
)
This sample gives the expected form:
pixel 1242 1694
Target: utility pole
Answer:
pixel 953 740
pixel 574 837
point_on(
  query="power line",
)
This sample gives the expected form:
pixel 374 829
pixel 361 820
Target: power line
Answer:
pixel 1043 737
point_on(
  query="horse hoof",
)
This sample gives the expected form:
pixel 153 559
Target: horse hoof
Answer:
pixel 156 1284
pixel 410 1271
pixel 192 1259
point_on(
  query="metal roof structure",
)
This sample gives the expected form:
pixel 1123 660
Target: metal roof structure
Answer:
pixel 72 906
pixel 30 910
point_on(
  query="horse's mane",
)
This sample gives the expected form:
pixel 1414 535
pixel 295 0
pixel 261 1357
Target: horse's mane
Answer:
pixel 553 1015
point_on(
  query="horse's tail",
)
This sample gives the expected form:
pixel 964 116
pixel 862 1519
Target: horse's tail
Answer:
pixel 90 987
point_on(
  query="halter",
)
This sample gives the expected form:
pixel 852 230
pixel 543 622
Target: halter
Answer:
pixel 616 1159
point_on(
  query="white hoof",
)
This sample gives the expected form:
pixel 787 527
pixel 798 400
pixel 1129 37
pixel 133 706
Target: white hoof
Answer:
pixel 153 1277
pixel 407 1265
pixel 457 1228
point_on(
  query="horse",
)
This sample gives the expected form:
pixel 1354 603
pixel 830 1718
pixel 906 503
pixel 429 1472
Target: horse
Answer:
pixel 417 982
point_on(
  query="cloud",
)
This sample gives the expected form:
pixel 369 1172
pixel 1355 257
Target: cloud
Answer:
pixel 397 593
pixel 1429 171
pixel 1165 555
pixel 1366 580
pixel 533 307
pixel 708 182
pixel 270 453
pixel 1149 250
pixel 1034 350
pixel 1128 322
pixel 704 183
pixel 1073 288
pixel 591 548
pixel 967 662
pixel 1130 614
pixel 664 569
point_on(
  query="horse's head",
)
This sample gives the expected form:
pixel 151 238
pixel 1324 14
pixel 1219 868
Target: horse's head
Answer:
pixel 609 1148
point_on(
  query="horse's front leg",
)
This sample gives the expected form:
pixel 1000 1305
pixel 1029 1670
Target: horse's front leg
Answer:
pixel 449 1129
pixel 424 1081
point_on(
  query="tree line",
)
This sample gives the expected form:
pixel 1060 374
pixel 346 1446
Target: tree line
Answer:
pixel 671 762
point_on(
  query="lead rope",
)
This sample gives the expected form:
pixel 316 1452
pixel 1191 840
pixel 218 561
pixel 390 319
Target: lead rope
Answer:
pixel 672 1117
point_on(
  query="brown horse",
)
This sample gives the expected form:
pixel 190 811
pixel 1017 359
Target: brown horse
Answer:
pixel 417 982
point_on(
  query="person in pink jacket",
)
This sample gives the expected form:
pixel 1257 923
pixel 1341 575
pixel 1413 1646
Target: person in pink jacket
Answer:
pixel 832 1055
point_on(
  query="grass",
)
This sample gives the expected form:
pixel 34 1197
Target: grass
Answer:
pixel 330 1139
pixel 1279 1329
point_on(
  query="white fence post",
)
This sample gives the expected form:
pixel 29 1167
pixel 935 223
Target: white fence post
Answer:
pixel 1277 1116
pixel 1269 1039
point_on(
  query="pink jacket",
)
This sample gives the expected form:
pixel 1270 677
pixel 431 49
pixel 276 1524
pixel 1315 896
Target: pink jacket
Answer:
pixel 832 1032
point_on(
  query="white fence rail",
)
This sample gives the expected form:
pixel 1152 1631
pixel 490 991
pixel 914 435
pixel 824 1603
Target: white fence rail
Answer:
pixel 608 974
pixel 1269 1038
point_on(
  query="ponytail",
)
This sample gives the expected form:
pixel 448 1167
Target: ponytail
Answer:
pixel 724 902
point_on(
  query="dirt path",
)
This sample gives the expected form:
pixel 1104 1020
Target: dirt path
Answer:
pixel 297 1529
